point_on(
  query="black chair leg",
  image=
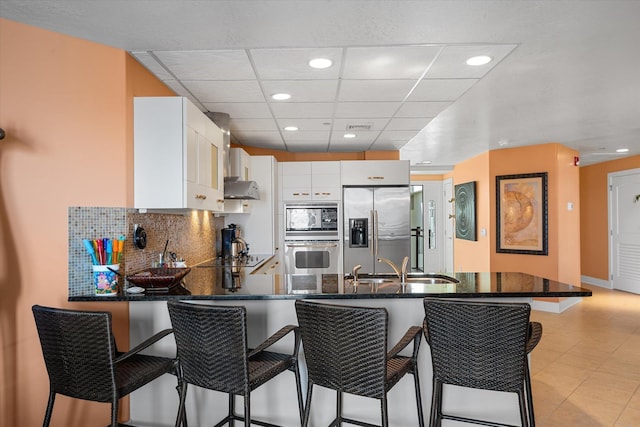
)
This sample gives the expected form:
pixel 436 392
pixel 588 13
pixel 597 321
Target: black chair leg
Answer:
pixel 49 411
pixel 232 408
pixel 247 411
pixel 299 390
pixel 527 383
pixel 385 413
pixel 182 413
pixel 523 408
pixel 307 405
pixel 418 396
pixel 436 405
pixel 114 413
pixel 339 408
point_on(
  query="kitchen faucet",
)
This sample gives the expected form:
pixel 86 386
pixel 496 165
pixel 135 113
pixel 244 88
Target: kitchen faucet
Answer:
pixel 354 273
pixel 401 273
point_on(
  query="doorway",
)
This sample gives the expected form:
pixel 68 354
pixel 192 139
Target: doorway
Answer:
pixel 624 235
pixel 417 229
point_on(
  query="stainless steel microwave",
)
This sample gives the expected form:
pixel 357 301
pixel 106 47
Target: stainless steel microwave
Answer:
pixel 311 221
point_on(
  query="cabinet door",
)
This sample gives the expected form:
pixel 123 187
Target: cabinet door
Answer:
pixel 296 181
pixel 326 183
pixel 203 171
pixel 375 172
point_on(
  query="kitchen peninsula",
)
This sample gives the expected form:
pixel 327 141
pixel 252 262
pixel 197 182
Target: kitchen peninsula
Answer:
pixel 269 301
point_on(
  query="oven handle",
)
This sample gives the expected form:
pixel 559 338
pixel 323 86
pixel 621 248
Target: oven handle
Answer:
pixel 311 245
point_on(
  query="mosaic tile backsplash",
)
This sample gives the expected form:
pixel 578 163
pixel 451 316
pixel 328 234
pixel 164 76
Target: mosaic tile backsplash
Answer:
pixel 192 236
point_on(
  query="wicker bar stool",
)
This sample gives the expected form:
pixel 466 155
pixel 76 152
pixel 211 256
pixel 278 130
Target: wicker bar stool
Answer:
pixel 480 345
pixel 213 354
pixel 82 360
pixel 345 349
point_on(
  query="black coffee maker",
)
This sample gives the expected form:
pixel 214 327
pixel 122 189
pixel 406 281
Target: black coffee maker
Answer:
pixel 228 236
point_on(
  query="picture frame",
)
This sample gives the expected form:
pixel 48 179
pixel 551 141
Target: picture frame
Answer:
pixel 465 208
pixel 522 214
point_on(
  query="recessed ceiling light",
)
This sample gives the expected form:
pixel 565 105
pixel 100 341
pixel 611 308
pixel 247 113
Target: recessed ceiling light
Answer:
pixel 622 150
pixel 280 96
pixel 479 60
pixel 320 63
pixel 349 135
pixel 291 128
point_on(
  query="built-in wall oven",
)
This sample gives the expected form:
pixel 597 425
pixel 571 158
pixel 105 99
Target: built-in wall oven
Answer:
pixel 312 245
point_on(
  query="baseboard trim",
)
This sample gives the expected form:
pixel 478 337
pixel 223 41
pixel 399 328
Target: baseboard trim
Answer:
pixel 555 306
pixel 596 282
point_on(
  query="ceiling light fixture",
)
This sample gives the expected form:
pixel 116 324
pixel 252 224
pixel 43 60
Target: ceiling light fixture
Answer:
pixel 280 96
pixel 349 135
pixel 291 128
pixel 622 150
pixel 320 63
pixel 479 60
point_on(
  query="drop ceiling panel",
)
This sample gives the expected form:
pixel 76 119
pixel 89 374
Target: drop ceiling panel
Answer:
pixel 366 109
pixel 309 136
pixel 225 91
pixel 240 110
pixel 441 89
pixel 408 123
pixel 302 90
pixel 395 62
pixel 452 61
pixel 307 146
pixel 208 64
pixel 306 124
pixel 376 124
pixel 422 109
pixel 348 146
pixel 252 125
pixel 362 137
pixel 262 139
pixel 293 64
pixel 374 90
pixel 302 109
pixel 395 138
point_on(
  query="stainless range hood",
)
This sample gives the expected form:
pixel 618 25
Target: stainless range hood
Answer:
pixel 234 188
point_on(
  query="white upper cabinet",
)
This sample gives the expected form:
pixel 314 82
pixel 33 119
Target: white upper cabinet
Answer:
pixel 310 181
pixel 178 155
pixel 375 172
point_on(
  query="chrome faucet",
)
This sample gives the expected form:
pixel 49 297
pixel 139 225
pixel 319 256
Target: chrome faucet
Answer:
pixel 401 273
pixel 354 273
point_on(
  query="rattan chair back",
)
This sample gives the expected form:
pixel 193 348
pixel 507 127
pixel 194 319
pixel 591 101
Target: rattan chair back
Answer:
pixel 78 351
pixel 211 344
pixel 478 344
pixel 345 347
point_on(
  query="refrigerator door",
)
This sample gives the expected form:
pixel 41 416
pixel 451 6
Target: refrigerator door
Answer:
pixel 358 212
pixel 392 228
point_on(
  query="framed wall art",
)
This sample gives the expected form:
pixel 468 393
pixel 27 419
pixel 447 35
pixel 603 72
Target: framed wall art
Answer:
pixel 521 214
pixel 465 198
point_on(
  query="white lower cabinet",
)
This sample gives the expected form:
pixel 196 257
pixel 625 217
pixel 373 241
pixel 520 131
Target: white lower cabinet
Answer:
pixel 178 155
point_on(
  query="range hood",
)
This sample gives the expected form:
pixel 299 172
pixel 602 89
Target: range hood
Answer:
pixel 234 188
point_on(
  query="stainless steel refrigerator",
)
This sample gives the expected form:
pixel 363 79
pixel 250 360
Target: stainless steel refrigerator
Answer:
pixel 376 224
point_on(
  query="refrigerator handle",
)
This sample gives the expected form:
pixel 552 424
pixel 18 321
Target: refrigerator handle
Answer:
pixel 375 229
pixel 372 248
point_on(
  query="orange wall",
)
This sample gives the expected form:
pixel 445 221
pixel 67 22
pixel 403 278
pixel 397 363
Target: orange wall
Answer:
pixel 563 260
pixel 66 109
pixel 594 215
pixel 475 255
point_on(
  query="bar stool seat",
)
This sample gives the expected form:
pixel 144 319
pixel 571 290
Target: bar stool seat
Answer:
pixel 482 345
pixel 345 349
pixel 211 342
pixel 83 362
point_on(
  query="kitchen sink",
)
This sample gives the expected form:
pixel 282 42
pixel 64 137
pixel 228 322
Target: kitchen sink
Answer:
pixel 390 283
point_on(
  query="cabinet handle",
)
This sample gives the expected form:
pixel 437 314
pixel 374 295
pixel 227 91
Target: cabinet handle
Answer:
pixel 220 200
pixel 376 177
pixel 201 196
pixel 245 205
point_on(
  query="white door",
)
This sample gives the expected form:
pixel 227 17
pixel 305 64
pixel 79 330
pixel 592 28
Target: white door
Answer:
pixel 624 226
pixel 448 224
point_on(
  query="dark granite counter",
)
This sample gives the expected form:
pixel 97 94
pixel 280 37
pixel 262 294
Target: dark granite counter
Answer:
pixel 214 282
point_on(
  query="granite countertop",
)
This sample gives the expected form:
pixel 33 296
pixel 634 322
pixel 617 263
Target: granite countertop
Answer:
pixel 215 281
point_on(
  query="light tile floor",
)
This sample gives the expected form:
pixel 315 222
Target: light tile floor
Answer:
pixel 586 370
